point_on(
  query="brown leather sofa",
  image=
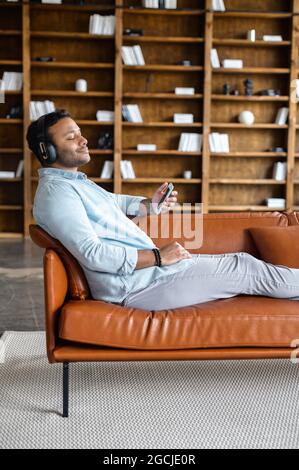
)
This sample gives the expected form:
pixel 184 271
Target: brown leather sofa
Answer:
pixel 79 328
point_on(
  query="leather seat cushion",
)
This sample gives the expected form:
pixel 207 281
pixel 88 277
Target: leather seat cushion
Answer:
pixel 235 322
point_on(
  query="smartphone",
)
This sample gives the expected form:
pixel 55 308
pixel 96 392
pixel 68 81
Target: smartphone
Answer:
pixel 167 193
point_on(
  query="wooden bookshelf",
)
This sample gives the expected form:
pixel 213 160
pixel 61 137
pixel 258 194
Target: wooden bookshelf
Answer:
pixel 240 180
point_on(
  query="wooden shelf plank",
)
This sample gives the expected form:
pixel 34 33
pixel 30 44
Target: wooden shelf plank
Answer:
pixel 259 70
pixel 168 96
pixel 72 36
pixel 100 180
pixel 160 124
pixel 160 152
pixel 245 181
pixel 76 94
pixel 10 207
pixel 159 11
pixel 164 68
pixel 11 62
pixel 11 235
pixel 161 180
pixel 11 121
pixel 248 207
pixel 11 150
pixel 253 14
pixel 163 39
pixel 11 180
pixel 236 125
pixel 245 43
pixel 249 154
pixel 256 98
pixel 10 32
pixel 74 65
pixel 70 8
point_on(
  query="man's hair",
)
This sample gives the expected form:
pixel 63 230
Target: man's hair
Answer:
pixel 32 132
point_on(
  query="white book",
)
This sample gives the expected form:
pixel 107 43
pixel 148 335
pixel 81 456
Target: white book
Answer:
pixel 184 91
pixel 20 168
pixel 211 143
pixel 274 202
pixel 221 5
pixel 138 55
pixel 130 169
pixel 180 118
pixel 52 1
pixel 133 58
pixel 297 88
pixel 91 24
pixel 196 142
pixel 274 37
pixel 215 59
pixel 279 171
pixel 134 113
pixel 107 170
pixel 232 63
pixel 218 5
pixel 224 143
pixel 182 143
pixel 105 116
pixel 146 147
pixel 125 55
pixel 123 169
pixel 7 174
pixel 282 116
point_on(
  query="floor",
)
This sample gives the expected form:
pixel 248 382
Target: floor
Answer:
pixel 21 286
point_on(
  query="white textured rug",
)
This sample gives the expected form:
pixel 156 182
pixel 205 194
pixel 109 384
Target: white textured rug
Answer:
pixel 149 405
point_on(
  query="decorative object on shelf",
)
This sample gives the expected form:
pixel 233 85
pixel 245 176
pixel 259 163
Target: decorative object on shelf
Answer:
pixel 103 115
pixel 7 174
pixel 246 117
pixel 127 170
pixel 186 63
pixel 13 81
pixel 187 174
pixel 105 141
pixel 45 59
pixel 133 32
pixel 251 35
pixel 277 149
pixel 39 108
pixel 107 170
pixel 132 55
pixel 190 142
pixel 81 85
pixel 269 92
pixel 131 113
pixel 279 171
pixel 235 92
pixel 219 142
pixel 226 89
pixel 16 112
pixel 59 2
pixel 282 116
pixel 169 4
pixel 248 83
pixel 19 170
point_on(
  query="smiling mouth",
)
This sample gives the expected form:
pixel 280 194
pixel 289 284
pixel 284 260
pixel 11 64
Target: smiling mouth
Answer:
pixel 85 151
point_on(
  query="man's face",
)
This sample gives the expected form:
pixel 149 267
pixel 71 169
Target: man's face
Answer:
pixel 71 145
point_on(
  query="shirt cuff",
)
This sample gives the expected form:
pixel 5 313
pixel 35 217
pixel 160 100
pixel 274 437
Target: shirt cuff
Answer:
pixel 130 262
pixel 134 205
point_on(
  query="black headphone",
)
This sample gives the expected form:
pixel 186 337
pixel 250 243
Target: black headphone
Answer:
pixel 46 150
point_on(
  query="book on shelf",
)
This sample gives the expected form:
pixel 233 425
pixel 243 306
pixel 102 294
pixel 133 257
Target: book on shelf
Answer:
pixel 103 115
pixel 169 4
pixel 219 142
pixel 218 5
pixel 215 59
pixel 184 91
pixel 183 118
pixel 7 174
pixel 146 147
pixel 102 25
pixel 20 168
pixel 276 202
pixel 279 171
pixel 132 55
pixel 107 170
pixel 131 113
pixel 13 81
pixel 232 63
pixel 282 116
pixel 52 1
pixel 127 170
pixel 190 142
pixel 297 88
pixel 39 108
pixel 274 38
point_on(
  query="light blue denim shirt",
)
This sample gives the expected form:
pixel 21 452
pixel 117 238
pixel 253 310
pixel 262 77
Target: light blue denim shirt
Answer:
pixel 92 224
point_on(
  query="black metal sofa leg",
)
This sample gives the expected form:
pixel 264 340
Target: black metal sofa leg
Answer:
pixel 65 413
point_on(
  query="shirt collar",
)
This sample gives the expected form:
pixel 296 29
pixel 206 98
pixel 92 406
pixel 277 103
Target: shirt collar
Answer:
pixel 62 173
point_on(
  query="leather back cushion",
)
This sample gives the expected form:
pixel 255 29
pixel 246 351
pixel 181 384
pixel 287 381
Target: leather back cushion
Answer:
pixel 222 233
pixel 278 245
pixel 78 288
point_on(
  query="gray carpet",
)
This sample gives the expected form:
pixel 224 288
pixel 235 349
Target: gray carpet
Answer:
pixel 188 404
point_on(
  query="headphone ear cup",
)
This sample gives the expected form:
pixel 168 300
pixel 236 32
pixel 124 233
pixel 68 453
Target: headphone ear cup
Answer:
pixel 51 153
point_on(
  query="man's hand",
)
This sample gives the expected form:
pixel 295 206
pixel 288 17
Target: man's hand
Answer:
pixel 150 206
pixel 172 253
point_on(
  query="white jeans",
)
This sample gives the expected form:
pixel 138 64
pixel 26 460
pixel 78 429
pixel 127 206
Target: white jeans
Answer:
pixel 218 277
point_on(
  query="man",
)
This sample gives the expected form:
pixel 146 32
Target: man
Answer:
pixel 121 263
